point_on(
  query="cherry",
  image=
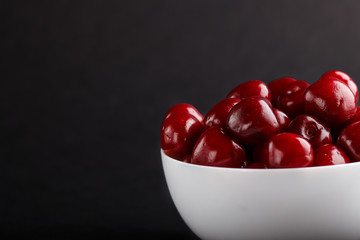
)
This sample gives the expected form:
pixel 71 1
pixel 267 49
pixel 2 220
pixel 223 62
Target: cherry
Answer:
pixel 338 128
pixel 215 148
pixel 250 89
pixel 277 86
pixel 286 150
pixel 257 165
pixel 247 162
pixel 184 108
pixel 179 133
pixel 282 119
pixel 329 154
pixel 343 77
pixel 355 118
pixel 290 100
pixel 252 127
pixel 349 141
pixel 330 100
pixel 311 129
pixel 252 121
pixel 187 158
pixel 218 114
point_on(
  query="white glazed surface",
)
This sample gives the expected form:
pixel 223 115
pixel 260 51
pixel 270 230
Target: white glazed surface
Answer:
pixel 299 203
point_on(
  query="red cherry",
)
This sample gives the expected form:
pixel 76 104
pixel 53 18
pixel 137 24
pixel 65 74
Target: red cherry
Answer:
pixel 247 162
pixel 282 119
pixel 218 114
pixel 184 108
pixel 338 128
pixel 349 141
pixel 290 101
pixel 355 118
pixel 215 148
pixel 179 133
pixel 186 159
pixel 250 89
pixel 330 100
pixel 343 77
pixel 329 154
pixel 277 86
pixel 311 129
pixel 257 165
pixel 252 121
pixel 287 150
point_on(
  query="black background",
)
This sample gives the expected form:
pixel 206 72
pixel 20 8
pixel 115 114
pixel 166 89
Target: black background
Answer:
pixel 84 86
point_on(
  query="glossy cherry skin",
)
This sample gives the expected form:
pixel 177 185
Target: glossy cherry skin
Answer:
pixel 330 100
pixel 276 87
pixel 329 154
pixel 251 89
pixel 349 141
pixel 343 77
pixel 290 101
pixel 257 165
pixel 184 108
pixel 252 121
pixel 179 134
pixel 282 119
pixel 215 148
pixel 338 128
pixel 218 114
pixel 311 129
pixel 286 150
pixel 186 159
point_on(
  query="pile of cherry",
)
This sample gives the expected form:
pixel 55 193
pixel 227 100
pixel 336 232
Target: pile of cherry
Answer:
pixel 285 124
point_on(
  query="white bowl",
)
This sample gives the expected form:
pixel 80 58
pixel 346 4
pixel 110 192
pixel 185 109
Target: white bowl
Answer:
pixel 294 203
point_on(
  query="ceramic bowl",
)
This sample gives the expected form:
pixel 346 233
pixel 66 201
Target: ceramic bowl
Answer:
pixel 293 203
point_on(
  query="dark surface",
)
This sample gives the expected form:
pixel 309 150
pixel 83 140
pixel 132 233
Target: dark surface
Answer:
pixel 84 87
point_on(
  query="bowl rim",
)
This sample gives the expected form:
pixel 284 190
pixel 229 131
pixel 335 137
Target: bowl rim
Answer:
pixel 267 170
